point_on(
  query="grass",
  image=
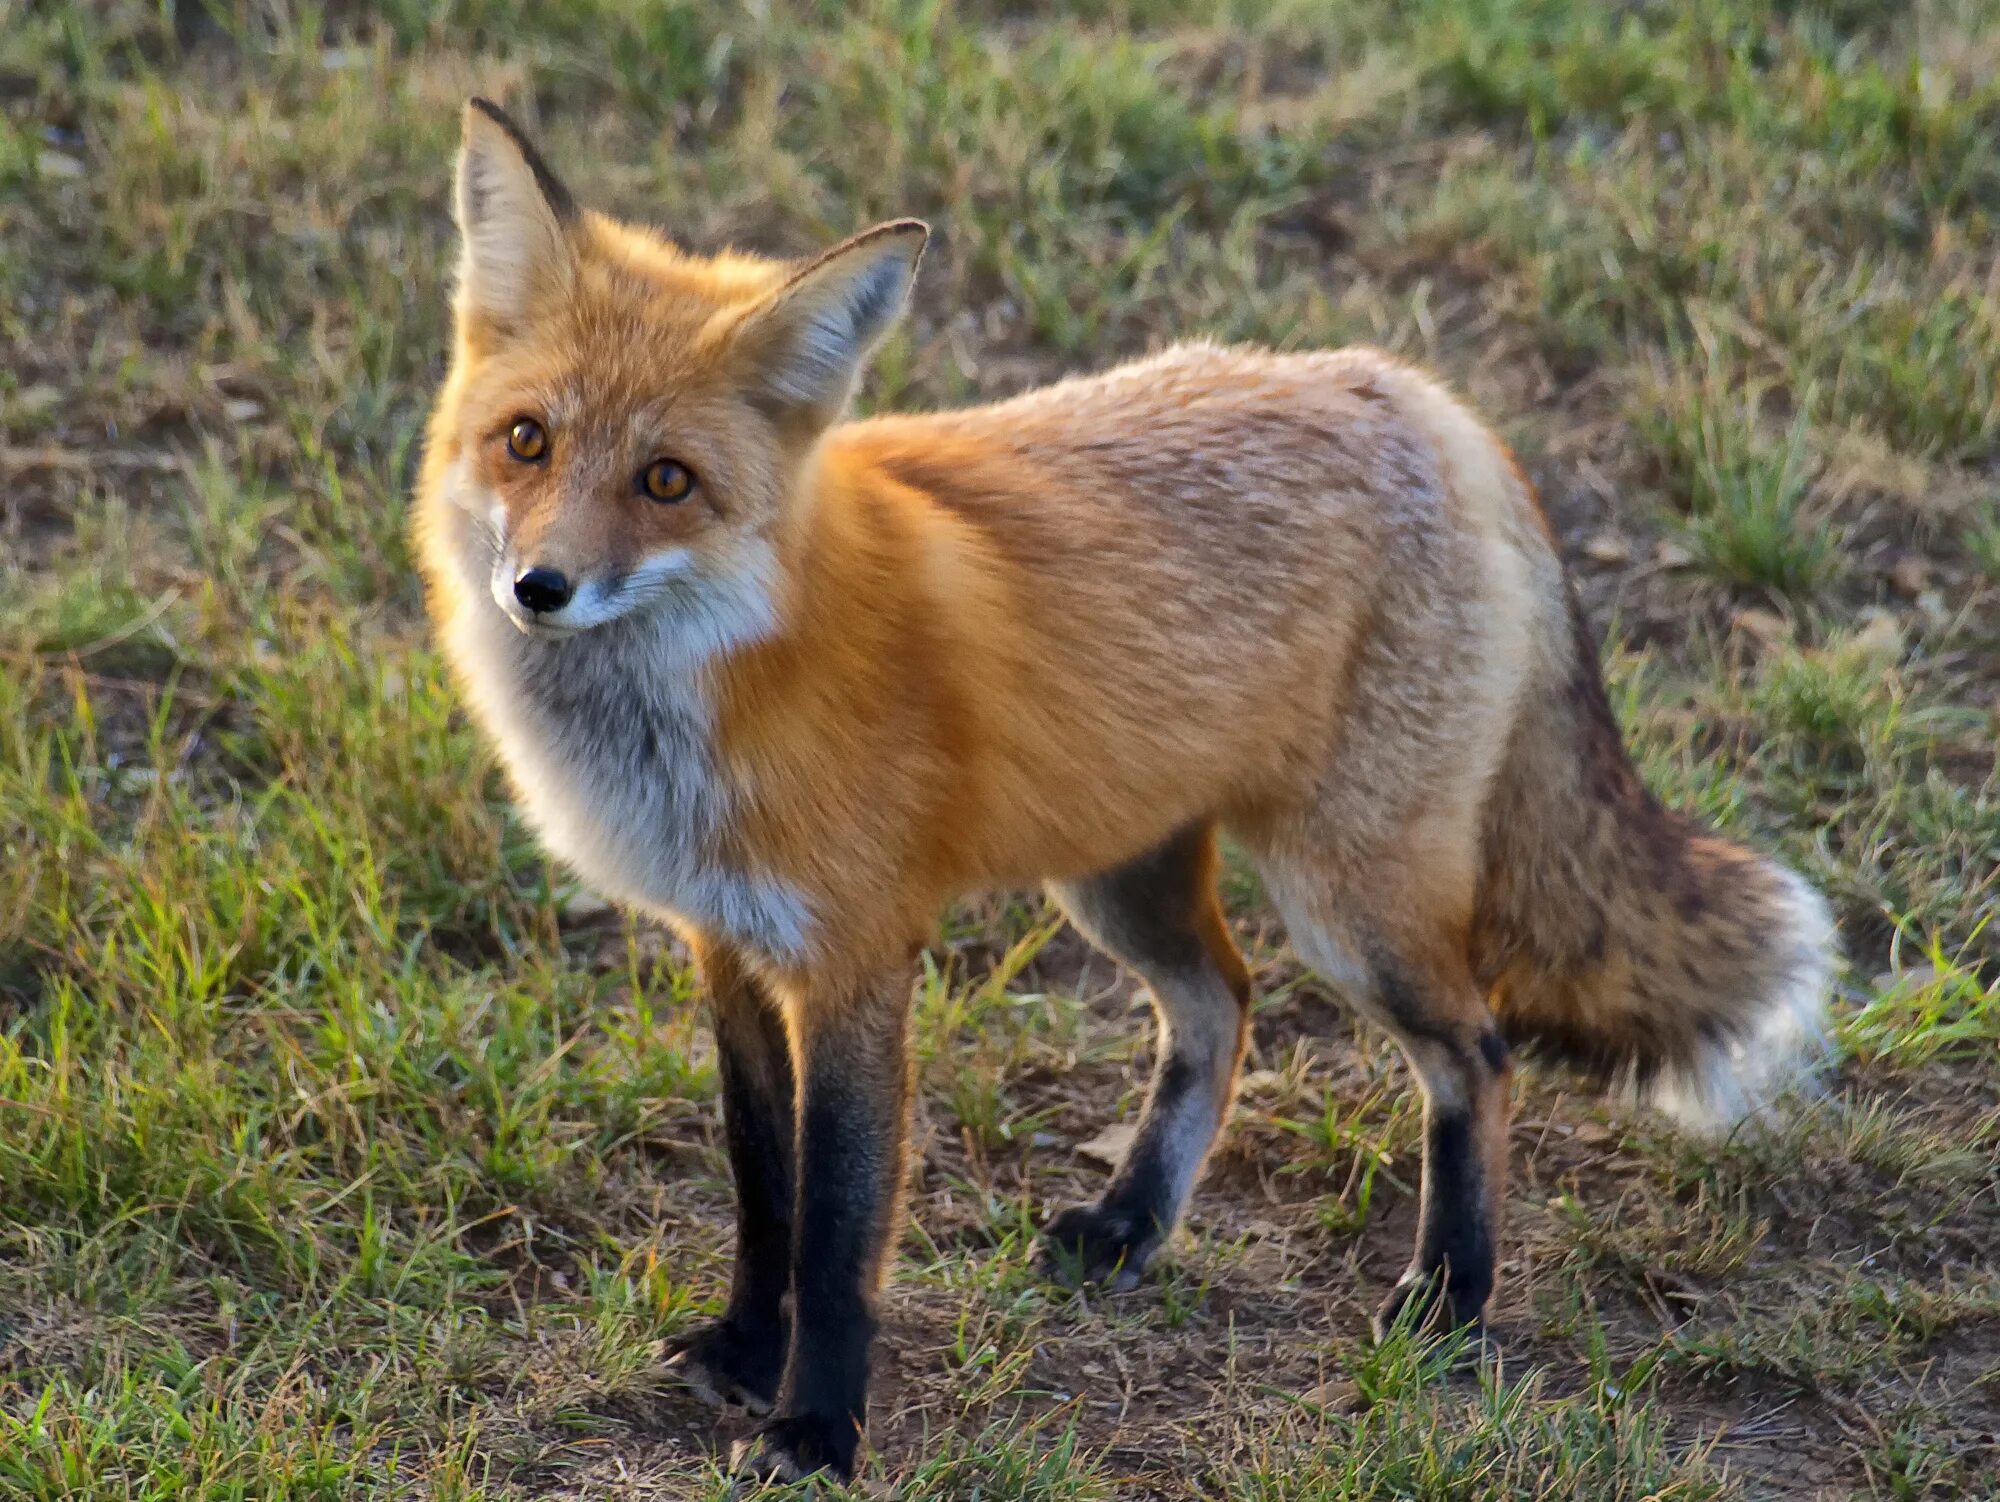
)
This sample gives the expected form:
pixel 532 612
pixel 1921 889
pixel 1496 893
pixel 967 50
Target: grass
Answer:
pixel 1746 523
pixel 346 1149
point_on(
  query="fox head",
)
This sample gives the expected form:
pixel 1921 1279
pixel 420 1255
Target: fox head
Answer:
pixel 624 421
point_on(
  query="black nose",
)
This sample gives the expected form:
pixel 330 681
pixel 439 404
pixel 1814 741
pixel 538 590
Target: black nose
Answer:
pixel 542 589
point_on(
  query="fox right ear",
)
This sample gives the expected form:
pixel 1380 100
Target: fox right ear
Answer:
pixel 513 216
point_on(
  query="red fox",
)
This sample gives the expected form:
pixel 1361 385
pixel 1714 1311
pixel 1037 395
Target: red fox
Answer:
pixel 793 683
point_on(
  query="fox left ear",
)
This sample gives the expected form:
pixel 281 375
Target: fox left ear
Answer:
pixel 811 337
pixel 514 216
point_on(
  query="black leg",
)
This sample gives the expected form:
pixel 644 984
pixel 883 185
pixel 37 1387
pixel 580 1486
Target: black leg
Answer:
pixel 1465 1082
pixel 851 1056
pixel 739 1358
pixel 1158 916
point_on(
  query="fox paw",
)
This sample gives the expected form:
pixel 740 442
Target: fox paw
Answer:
pixel 721 1364
pixel 1428 1304
pixel 1093 1244
pixel 797 1446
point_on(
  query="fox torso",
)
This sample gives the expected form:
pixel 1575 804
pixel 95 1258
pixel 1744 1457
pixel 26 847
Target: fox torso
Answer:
pixel 1013 643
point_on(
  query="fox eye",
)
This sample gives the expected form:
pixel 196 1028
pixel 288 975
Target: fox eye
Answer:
pixel 527 440
pixel 667 481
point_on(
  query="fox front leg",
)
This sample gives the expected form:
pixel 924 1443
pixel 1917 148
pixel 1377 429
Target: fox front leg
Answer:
pixel 850 1053
pixel 738 1359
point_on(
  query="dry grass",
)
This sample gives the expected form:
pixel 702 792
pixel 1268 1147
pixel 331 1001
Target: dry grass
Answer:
pixel 345 1151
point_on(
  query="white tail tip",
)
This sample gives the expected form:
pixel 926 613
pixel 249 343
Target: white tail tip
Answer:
pixel 1780 1052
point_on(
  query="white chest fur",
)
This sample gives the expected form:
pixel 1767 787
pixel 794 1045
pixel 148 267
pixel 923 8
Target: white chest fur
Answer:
pixel 608 736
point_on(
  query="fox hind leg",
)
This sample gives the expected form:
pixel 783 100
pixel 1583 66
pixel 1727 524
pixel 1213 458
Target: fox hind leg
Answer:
pixel 1401 963
pixel 1159 916
pixel 1461 1063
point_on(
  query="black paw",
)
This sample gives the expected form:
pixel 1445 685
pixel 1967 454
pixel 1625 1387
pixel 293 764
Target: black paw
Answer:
pixel 1093 1244
pixel 796 1446
pixel 1428 1304
pixel 728 1366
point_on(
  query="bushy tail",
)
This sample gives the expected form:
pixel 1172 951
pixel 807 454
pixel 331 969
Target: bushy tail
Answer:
pixel 1622 938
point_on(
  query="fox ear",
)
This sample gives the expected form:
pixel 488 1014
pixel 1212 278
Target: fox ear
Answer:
pixel 810 338
pixel 513 216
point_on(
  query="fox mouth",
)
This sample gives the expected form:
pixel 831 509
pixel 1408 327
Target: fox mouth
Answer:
pixel 540 630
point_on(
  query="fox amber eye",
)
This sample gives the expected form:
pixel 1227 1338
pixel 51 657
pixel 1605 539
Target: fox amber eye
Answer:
pixel 527 441
pixel 665 480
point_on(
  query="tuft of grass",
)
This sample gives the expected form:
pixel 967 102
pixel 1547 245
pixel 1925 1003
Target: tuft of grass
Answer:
pixel 1702 1235
pixel 1010 1463
pixel 1836 700
pixel 1418 1433
pixel 1349 1145
pixel 1907 1460
pixel 1745 497
pixel 1932 1005
pixel 1849 1334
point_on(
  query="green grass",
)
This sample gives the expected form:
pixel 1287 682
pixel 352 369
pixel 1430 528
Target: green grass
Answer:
pixel 1982 539
pixel 346 1150
pixel 1744 493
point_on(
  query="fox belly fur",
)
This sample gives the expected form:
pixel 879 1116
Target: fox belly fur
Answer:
pixel 793 683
